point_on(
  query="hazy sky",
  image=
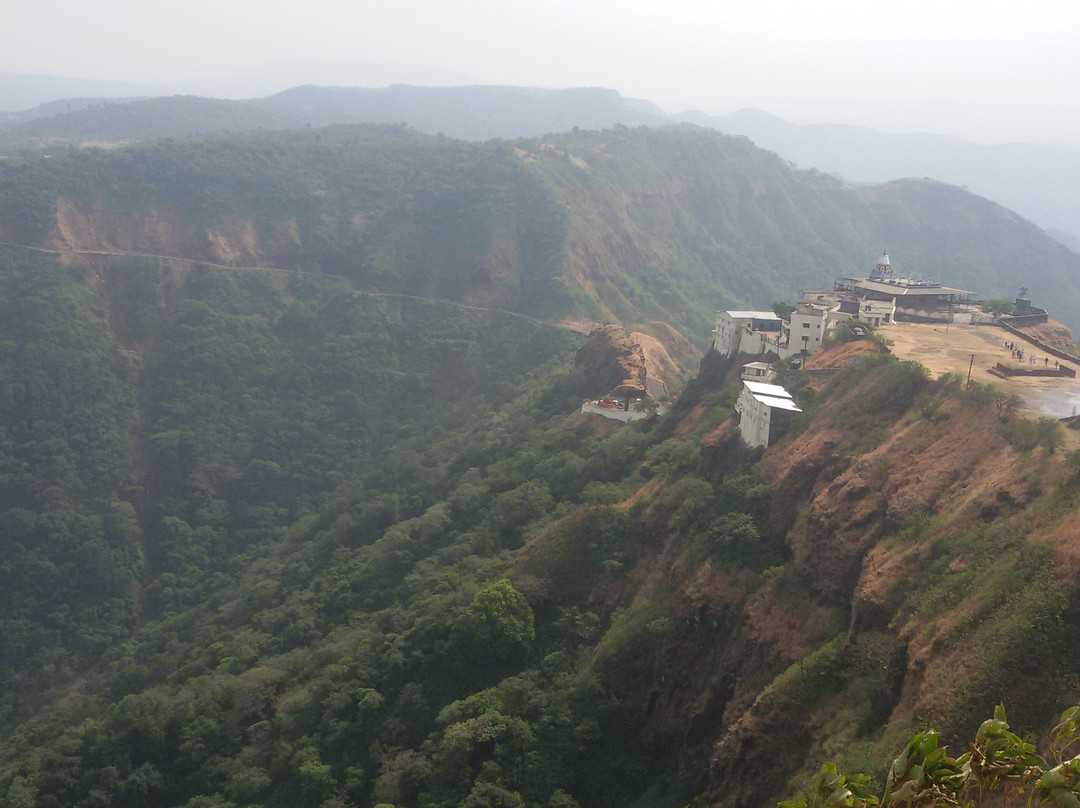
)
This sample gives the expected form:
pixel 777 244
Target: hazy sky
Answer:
pixel 985 69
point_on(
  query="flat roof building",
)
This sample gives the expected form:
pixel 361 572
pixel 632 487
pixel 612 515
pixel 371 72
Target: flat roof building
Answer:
pixel 762 408
pixel 749 332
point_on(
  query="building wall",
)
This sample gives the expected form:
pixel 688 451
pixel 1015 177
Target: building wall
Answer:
pixel 754 420
pixel 733 335
pixel 765 374
pixel 1025 320
pixel 757 342
pixel 617 415
pixel 807 332
pixel 877 312
pixel 726 334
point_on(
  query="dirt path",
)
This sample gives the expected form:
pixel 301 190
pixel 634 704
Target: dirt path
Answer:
pixel 561 324
pixel 951 351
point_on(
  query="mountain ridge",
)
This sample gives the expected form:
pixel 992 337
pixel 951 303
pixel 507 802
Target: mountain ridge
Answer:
pixel 565 226
pixel 1037 181
pixel 1032 179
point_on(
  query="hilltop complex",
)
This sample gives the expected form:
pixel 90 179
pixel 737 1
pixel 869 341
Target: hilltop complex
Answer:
pixel 878 299
pixel 1041 360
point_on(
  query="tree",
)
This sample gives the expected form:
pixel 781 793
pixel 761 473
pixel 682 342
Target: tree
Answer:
pixel 501 620
pixel 783 310
pixel 998 306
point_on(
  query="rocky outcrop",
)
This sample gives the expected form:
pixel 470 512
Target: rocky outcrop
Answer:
pixel 611 361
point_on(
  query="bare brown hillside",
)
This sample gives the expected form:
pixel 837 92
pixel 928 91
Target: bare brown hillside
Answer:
pixel 612 360
pixel 839 355
pixel 160 230
pixel 1055 335
pixel 911 531
pixel 864 527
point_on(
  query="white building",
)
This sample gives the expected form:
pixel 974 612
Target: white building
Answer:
pixel 807 327
pixel 748 332
pixel 758 372
pixel 884 292
pixel 760 406
pixel 877 312
pixel 614 412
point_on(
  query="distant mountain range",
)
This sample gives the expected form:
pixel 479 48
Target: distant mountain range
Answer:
pixel 20 92
pixel 1040 182
pixel 469 113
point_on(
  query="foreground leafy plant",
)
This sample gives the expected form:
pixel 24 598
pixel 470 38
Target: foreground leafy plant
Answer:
pixel 999 768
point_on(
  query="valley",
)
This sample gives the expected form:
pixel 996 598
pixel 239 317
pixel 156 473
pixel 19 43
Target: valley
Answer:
pixel 338 534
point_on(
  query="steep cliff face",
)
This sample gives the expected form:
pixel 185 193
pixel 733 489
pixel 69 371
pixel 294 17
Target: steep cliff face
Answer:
pixel 160 230
pixel 915 525
pixel 956 464
pixel 1055 335
pixel 924 565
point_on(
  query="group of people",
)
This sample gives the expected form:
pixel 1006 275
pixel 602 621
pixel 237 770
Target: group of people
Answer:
pixel 1018 354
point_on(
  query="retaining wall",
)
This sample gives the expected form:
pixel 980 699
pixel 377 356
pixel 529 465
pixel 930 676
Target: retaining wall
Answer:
pixel 617 415
pixel 1039 342
pixel 1022 320
pixel 1009 370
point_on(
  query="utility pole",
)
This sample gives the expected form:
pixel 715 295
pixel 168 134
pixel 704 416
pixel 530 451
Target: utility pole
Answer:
pixel 970 365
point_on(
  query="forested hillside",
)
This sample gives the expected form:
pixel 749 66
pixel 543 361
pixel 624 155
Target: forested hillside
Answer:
pixel 631 225
pixel 336 535
pixel 158 428
pixel 1037 181
pixel 469 112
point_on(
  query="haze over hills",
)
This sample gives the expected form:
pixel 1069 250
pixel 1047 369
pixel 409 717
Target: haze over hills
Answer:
pixel 623 224
pixel 1038 181
pixel 474 113
pixel 21 92
pixel 336 534
pixel 306 499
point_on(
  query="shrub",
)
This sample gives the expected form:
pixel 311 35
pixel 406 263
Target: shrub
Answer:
pixel 999 766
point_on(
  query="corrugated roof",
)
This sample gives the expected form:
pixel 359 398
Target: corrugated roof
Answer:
pixel 901 290
pixel 752 315
pixel 762 389
pixel 778 403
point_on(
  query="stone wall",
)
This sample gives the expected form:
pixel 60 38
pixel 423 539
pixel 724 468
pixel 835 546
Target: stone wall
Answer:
pixel 1010 370
pixel 1024 320
pixel 1035 341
